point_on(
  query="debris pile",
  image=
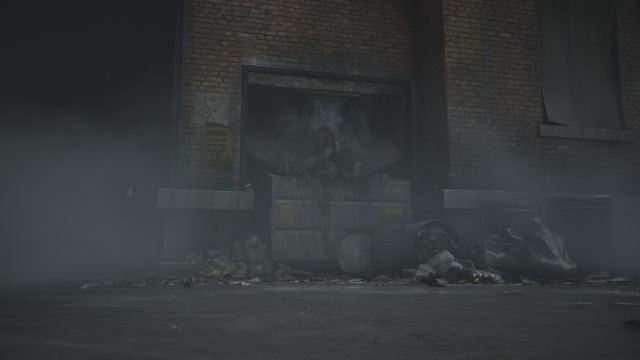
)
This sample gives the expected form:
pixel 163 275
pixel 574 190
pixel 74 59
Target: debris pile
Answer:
pixel 531 250
pixel 521 253
pixel 443 268
pixel 528 249
pixel 246 261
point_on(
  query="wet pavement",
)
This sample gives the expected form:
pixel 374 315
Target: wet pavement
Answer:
pixel 316 321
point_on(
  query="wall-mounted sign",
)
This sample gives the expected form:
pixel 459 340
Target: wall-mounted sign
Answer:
pixel 217 146
pixel 209 108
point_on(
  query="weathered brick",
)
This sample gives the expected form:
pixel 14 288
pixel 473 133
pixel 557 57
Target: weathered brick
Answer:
pixel 494 103
pixel 477 82
pixel 353 37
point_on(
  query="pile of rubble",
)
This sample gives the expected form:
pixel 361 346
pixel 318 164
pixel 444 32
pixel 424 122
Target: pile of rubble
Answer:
pixel 528 251
pixel 515 255
pixel 444 268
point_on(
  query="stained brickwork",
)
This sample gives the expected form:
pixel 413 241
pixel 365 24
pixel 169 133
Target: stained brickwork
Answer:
pixel 629 53
pixel 361 37
pixel 476 68
pixel 495 105
pixel 432 141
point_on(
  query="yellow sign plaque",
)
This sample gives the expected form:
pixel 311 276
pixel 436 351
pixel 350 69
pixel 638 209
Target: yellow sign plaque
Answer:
pixel 217 147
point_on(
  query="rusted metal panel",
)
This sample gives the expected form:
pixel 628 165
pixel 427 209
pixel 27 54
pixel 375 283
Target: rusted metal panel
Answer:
pixel 309 216
pixel 305 245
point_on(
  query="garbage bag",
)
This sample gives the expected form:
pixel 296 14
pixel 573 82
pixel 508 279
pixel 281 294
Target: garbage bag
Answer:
pixel 547 251
pixel 505 252
pixel 533 250
pixel 441 261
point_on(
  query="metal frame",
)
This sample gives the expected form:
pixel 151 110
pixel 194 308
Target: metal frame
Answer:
pixel 409 123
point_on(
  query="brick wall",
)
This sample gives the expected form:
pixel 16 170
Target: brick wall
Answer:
pixel 494 104
pixel 432 152
pixel 361 37
pixel 478 85
pixel 629 51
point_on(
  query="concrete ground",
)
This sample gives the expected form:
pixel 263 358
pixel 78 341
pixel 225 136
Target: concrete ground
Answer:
pixel 296 321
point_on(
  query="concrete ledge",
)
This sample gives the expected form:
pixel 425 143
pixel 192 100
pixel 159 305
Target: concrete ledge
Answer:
pixel 585 133
pixel 477 199
pixel 472 199
pixel 205 199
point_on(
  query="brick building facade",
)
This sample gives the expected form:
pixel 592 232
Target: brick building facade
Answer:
pixel 369 38
pixel 479 117
pixel 477 95
pixel 495 111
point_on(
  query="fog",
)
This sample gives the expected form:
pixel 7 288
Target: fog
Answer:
pixel 85 136
pixel 86 142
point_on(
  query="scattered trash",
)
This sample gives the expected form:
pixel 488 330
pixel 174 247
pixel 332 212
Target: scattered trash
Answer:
pixel 424 273
pixel 485 277
pixel 460 271
pixel 246 259
pixel 434 238
pixel 499 252
pixel 175 327
pixel 249 249
pixel 530 254
pixel 397 247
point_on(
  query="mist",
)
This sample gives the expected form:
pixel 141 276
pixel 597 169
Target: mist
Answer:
pixel 320 179
pixel 86 142
pixel 85 136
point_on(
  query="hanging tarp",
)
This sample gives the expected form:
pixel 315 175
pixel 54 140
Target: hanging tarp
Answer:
pixel 579 62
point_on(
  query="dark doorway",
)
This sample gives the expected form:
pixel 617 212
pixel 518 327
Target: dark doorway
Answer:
pixel 311 124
